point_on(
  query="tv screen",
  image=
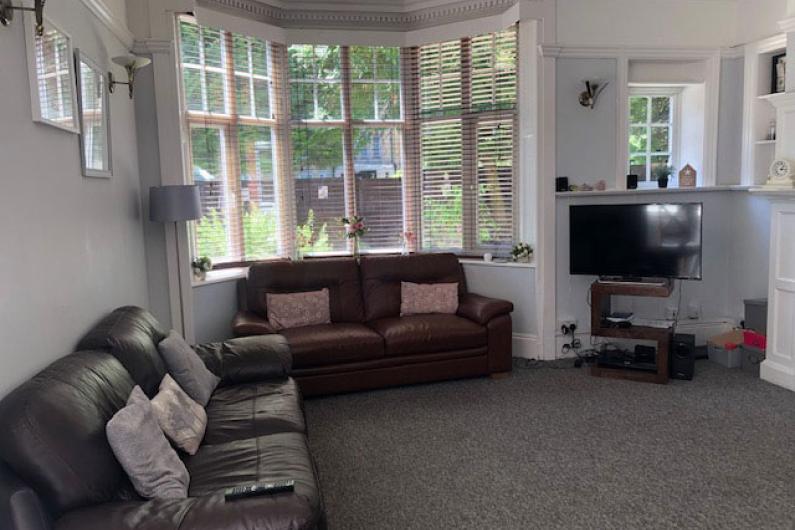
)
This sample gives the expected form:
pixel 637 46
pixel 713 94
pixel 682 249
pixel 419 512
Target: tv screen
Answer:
pixel 636 240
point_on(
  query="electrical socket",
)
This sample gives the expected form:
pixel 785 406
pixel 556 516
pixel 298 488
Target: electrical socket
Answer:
pixel 670 313
pixel 694 310
pixel 565 325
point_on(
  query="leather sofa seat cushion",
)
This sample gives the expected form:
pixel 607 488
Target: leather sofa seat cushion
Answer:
pixel 429 334
pixel 131 334
pixel 255 409
pixel 333 344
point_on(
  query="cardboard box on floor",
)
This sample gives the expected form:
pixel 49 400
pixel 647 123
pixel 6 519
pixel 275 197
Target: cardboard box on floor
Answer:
pixel 728 341
pixel 724 348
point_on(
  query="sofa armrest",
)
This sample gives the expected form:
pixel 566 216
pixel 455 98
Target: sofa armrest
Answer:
pixel 247 359
pixel 247 323
pixel 20 507
pixel 482 309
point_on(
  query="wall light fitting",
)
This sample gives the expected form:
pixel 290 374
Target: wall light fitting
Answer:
pixel 7 13
pixel 593 89
pixel 131 64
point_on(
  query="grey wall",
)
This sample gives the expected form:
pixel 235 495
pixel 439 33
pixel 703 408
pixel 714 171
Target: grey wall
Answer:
pixel 750 250
pixel 214 306
pixel 730 122
pixel 72 247
pixel 586 138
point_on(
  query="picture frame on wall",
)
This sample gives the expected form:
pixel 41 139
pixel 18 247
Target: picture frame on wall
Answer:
pixel 779 74
pixel 93 103
pixel 52 75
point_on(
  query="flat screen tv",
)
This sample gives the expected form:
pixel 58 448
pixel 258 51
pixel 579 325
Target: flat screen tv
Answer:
pixel 636 240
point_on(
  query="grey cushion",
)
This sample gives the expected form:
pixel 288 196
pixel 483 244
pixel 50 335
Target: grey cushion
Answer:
pixel 182 420
pixel 155 470
pixel 187 368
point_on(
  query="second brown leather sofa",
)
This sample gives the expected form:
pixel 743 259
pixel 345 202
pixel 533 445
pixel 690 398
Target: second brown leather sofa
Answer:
pixel 368 344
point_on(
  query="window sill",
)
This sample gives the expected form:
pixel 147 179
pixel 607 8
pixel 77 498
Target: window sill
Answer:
pixel 643 191
pixel 510 264
pixel 221 275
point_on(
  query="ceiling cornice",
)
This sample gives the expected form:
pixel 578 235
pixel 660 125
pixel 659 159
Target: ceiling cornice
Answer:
pixel 359 20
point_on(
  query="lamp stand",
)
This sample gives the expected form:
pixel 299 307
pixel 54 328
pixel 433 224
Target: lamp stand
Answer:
pixel 179 280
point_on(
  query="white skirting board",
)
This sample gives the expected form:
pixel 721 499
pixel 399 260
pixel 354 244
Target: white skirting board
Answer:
pixel 526 346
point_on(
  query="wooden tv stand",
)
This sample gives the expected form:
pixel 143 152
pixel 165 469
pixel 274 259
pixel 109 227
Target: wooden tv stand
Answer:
pixel 600 308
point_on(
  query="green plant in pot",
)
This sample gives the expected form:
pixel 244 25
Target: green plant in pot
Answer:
pixel 661 174
pixel 201 266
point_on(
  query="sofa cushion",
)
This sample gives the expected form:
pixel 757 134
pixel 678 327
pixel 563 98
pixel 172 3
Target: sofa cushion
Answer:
pixel 293 310
pixel 182 420
pixel 339 275
pixel 143 451
pixel 429 334
pixel 271 458
pixel 53 431
pixel 247 411
pixel 131 334
pixel 382 275
pixel 333 344
pixel 187 368
pixel 428 298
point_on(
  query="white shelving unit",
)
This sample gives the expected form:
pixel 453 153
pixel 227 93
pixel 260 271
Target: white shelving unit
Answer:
pixel 759 111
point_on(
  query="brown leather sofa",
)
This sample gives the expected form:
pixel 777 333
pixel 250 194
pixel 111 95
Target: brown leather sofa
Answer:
pixel 58 470
pixel 368 344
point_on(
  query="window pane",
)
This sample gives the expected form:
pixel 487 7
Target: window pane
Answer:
pixel 328 102
pixel 362 62
pixel 440 78
pixel 387 63
pixel 441 185
pixel 389 101
pixel 189 42
pixel 495 184
pixel 92 95
pixel 240 53
pixel 54 77
pixel 638 139
pixel 302 106
pixel 192 88
pixel 494 70
pixel 207 163
pixel 262 98
pixel 243 94
pixel 319 191
pixel 258 192
pixel 327 62
pixel 259 57
pixel 638 110
pixel 213 47
pixel 661 110
pixel 301 59
pixel 379 185
pixel 637 166
pixel 660 139
pixel 216 95
pixel 363 101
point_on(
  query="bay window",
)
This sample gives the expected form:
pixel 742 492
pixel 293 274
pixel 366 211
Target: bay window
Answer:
pixel 412 139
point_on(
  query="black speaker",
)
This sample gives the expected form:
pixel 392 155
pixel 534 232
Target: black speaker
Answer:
pixel 562 184
pixel 683 356
pixel 632 182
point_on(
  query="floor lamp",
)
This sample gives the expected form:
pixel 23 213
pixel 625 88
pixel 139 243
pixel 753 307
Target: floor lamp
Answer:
pixel 172 204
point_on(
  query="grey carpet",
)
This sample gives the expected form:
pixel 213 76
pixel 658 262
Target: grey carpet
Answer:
pixel 556 448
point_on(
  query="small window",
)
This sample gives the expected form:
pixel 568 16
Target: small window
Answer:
pixel 94 119
pixel 52 78
pixel 652 131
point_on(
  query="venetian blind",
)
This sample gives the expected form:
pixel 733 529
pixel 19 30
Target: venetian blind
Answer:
pixel 233 101
pixel 54 78
pixel 462 96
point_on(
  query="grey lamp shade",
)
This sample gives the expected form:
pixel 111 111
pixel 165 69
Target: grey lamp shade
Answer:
pixel 168 204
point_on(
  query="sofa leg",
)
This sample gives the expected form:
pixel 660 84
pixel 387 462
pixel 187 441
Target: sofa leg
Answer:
pixel 500 375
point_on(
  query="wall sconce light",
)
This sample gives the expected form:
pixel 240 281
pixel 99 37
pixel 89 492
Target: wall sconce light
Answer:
pixel 593 89
pixel 7 13
pixel 131 63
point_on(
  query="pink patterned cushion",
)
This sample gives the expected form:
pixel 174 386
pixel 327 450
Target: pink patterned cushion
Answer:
pixel 424 298
pixel 293 310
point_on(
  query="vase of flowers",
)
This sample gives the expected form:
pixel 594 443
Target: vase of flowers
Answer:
pixel 407 242
pixel 522 253
pixel 354 229
pixel 201 266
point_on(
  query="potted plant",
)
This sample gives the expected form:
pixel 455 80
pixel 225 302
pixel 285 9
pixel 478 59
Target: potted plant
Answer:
pixel 522 253
pixel 661 174
pixel 201 266
pixel 354 229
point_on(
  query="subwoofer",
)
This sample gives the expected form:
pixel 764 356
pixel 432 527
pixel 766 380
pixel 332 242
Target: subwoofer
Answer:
pixel 683 356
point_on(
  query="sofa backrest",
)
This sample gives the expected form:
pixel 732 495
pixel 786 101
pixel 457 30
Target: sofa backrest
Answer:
pixel 131 334
pixel 381 277
pixel 339 275
pixel 53 431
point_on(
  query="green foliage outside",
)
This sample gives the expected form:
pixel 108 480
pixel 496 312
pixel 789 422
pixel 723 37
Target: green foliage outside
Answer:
pixel 310 240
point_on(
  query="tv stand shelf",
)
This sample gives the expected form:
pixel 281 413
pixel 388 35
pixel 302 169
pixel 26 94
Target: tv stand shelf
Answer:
pixel 600 308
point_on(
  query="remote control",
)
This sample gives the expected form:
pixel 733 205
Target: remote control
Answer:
pixel 256 490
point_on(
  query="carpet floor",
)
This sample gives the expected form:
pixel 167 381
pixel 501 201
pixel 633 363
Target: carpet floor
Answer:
pixel 552 447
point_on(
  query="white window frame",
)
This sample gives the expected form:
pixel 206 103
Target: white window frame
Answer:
pixel 71 125
pixel 674 93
